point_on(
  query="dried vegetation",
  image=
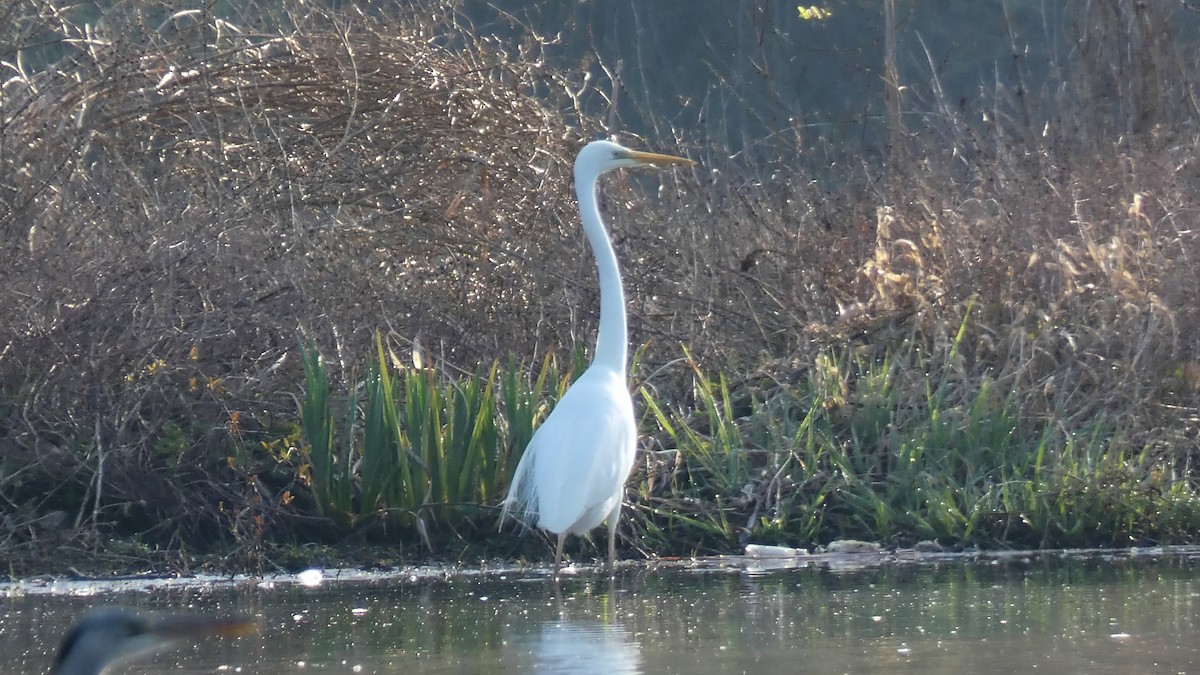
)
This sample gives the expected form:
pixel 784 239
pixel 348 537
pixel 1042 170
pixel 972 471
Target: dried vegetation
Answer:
pixel 180 196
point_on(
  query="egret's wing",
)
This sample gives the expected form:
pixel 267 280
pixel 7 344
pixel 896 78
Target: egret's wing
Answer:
pixel 584 458
pixel 521 501
pixel 573 471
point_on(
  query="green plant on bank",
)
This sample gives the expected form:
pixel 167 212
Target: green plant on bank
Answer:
pixel 329 469
pixel 896 448
pixel 418 446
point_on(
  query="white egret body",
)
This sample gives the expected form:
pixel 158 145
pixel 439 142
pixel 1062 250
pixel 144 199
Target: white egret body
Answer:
pixel 572 475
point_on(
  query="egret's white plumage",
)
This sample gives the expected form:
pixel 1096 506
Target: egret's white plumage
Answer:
pixel 571 477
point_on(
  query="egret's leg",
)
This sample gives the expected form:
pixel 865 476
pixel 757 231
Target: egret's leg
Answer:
pixel 558 552
pixel 612 545
pixel 614 518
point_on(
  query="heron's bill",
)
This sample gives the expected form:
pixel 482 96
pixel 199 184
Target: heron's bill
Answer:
pixel 175 627
pixel 657 159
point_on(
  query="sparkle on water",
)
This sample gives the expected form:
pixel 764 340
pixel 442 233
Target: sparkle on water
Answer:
pixel 1093 614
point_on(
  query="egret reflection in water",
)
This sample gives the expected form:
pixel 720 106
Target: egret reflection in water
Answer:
pixel 586 648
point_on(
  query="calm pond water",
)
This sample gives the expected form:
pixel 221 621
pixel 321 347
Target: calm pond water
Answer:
pixel 1058 615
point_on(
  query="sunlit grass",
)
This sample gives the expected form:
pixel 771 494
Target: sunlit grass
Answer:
pixel 895 449
pixel 416 445
pixel 892 448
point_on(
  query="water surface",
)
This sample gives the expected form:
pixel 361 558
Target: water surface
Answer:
pixel 1061 615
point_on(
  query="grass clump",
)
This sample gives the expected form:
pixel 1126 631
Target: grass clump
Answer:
pixel 895 445
pixel 416 446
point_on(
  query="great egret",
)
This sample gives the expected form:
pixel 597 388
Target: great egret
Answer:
pixel 572 475
pixel 108 636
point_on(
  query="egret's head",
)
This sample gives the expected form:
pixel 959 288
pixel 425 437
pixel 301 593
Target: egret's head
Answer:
pixel 599 156
pixel 110 635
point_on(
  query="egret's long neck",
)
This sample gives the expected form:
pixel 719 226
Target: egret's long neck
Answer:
pixel 611 343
